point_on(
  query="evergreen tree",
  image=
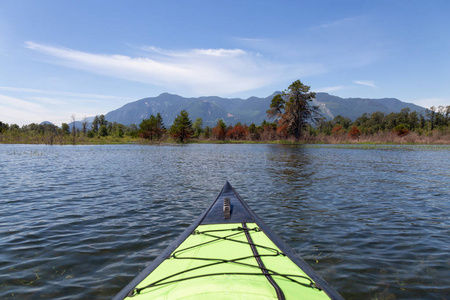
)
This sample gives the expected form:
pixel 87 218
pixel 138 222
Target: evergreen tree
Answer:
pixel 198 127
pixel 4 127
pixel 95 124
pixel 103 130
pixel 292 109
pixel 181 130
pixel 64 128
pixel 152 128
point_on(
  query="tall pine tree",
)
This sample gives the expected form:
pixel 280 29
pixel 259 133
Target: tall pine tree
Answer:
pixel 181 130
pixel 292 109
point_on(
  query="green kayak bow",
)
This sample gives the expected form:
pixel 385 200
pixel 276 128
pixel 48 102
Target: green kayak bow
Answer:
pixel 228 253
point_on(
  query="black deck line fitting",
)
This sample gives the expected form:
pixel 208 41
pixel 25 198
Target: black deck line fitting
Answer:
pixel 226 208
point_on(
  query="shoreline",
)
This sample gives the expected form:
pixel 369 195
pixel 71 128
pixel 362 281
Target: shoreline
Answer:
pixel 383 138
pixel 236 142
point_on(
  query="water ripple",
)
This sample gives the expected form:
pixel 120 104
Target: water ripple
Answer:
pixel 82 221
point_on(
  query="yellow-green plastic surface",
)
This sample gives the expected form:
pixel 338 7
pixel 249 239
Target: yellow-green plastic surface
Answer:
pixel 226 286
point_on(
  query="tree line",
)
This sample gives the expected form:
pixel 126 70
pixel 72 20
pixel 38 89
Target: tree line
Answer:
pixel 47 133
pixel 291 116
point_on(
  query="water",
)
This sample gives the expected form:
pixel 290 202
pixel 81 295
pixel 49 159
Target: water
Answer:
pixel 80 222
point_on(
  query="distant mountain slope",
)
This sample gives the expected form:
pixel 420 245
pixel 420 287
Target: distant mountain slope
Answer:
pixel 210 109
pixel 355 107
pixel 251 110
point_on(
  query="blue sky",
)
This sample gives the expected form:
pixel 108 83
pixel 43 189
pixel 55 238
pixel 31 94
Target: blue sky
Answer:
pixel 60 58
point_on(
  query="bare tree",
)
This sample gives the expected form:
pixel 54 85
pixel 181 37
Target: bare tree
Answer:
pixel 84 124
pixel 73 129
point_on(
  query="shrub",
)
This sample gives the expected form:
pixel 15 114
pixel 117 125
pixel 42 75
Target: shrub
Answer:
pixel 354 133
pixel 401 130
pixel 338 129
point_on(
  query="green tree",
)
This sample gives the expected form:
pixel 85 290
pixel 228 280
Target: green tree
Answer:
pixel 14 127
pixel 198 127
pixel 152 128
pixel 422 121
pixel 98 122
pixel 103 130
pixel 403 116
pixel 207 132
pixel 401 130
pixel 181 130
pixel 276 107
pixel 102 120
pixel 132 130
pixel 413 120
pixel 363 121
pixel 90 134
pixel 292 109
pixel 118 130
pixel 4 127
pixel 447 114
pixel 65 128
pixel 431 113
pixel 344 121
pixel 95 124
pixel 377 121
pixel 253 131
pixel 325 126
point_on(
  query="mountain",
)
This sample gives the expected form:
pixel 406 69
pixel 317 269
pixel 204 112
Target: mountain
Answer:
pixel 210 109
pixel 46 123
pixel 251 110
pixel 353 108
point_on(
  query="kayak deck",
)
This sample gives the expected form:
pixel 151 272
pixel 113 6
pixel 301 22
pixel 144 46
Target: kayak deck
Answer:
pixel 228 253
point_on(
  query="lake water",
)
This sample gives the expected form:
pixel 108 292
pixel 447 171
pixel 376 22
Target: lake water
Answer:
pixel 82 221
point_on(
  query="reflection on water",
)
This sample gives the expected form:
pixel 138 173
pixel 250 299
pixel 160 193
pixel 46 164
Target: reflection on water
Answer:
pixel 82 221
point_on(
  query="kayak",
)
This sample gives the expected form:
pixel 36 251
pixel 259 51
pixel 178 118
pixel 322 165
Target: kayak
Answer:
pixel 228 253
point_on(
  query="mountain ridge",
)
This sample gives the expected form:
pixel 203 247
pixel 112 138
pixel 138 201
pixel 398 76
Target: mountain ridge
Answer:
pixel 250 110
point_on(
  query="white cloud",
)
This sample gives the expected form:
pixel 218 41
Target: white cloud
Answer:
pixel 195 52
pixel 220 52
pixel 368 83
pixel 14 110
pixel 330 89
pixel 253 40
pixel 429 102
pixel 335 23
pixel 197 71
pixel 58 93
pixel 19 103
pixel 47 100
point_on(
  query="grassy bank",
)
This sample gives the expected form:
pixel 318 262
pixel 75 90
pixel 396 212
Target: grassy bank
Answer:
pixel 434 138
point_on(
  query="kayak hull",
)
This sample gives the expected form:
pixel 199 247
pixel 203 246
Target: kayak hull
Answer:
pixel 228 253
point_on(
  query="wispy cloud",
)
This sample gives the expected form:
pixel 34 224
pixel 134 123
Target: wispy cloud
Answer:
pixel 198 71
pixel 224 53
pixel 330 89
pixel 19 103
pixel 25 110
pixel 18 110
pixel 335 23
pixel 368 83
pixel 48 100
pixel 58 93
pixel 256 40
